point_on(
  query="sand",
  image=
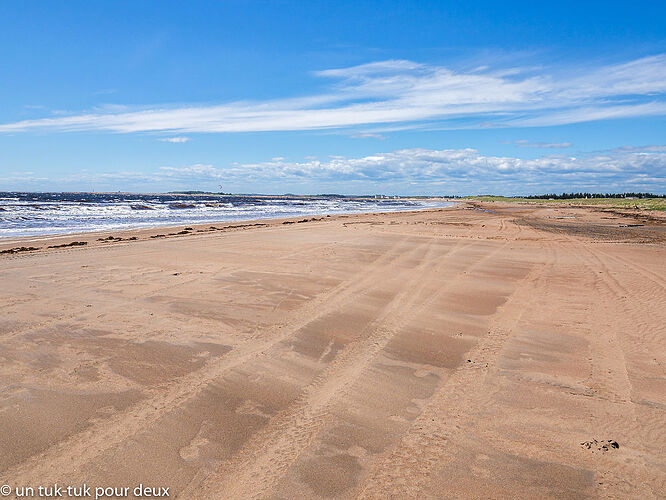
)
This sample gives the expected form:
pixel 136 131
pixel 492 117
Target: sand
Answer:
pixel 470 352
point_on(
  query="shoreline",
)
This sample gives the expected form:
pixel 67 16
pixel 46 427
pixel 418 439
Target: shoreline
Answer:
pixel 137 222
pixel 141 233
pixel 92 237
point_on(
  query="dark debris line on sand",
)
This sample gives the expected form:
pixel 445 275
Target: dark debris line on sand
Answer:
pixel 30 249
pixel 116 238
pixel 19 249
pixel 600 445
pixel 187 230
pixel 72 244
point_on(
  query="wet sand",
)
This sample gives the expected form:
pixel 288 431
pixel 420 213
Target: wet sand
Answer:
pixel 471 352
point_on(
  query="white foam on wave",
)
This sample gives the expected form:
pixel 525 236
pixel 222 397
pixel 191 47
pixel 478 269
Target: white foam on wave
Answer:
pixel 35 217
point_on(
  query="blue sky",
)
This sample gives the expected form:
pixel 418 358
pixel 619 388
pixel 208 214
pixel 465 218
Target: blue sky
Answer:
pixel 350 97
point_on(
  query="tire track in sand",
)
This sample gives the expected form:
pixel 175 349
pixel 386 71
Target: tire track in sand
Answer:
pixel 69 455
pixel 613 377
pixel 407 468
pixel 264 460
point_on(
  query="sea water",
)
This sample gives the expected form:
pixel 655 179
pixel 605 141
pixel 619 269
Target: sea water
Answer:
pixel 32 214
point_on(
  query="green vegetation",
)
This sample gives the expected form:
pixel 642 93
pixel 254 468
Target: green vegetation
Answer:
pixel 576 196
pixel 641 203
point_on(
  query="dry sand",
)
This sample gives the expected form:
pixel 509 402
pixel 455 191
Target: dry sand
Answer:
pixel 454 353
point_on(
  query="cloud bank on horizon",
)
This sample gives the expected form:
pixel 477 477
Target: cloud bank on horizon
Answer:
pixel 414 171
pixel 406 94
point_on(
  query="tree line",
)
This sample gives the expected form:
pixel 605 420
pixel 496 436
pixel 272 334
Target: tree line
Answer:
pixel 570 196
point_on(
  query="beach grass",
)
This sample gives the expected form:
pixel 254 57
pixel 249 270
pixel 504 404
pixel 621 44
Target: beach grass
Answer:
pixel 640 203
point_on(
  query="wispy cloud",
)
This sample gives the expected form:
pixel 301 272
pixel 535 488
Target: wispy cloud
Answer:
pixel 522 143
pixel 409 93
pixel 639 149
pixel 175 140
pixel 367 135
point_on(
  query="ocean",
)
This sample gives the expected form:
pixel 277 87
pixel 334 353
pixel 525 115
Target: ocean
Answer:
pixel 33 214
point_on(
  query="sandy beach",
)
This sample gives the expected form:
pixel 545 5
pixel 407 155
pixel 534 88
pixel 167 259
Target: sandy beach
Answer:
pixel 479 351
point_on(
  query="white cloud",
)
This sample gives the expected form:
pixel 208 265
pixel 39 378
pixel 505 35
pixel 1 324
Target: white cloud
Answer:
pixel 652 149
pixel 590 113
pixel 367 135
pixel 643 76
pixel 174 139
pixel 522 143
pixel 459 171
pixel 408 171
pixel 406 94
